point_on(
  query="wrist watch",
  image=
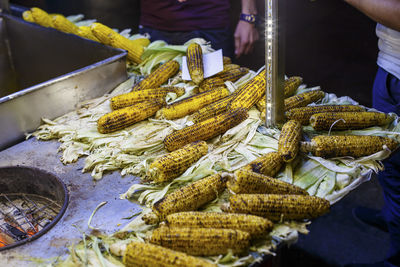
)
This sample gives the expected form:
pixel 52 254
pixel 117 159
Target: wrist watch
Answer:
pixel 250 18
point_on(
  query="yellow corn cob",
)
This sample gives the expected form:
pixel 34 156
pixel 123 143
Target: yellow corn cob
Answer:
pixel 211 83
pixel 122 118
pixel 250 93
pixel 347 145
pixel 172 165
pixel 303 114
pixel 348 120
pixel 201 241
pixel 276 207
pixel 134 49
pixel 191 104
pixel 205 130
pixel 188 198
pixel 228 67
pixel 158 76
pixel 149 255
pixel 27 16
pixel 102 32
pixel 62 24
pixel 41 17
pixel 233 74
pixel 291 84
pixel 142 41
pixel 226 60
pixel 289 140
pixel 302 100
pixel 249 182
pixel 212 110
pixel 194 59
pixel 269 164
pixel 86 32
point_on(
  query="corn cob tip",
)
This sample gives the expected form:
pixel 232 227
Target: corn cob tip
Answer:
pixel 150 218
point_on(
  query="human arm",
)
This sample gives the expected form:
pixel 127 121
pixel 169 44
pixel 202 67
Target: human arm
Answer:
pixel 246 33
pixel 386 12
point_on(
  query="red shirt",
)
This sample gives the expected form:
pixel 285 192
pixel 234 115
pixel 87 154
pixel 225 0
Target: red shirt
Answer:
pixel 170 15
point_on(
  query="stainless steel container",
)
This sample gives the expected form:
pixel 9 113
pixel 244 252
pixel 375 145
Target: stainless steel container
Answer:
pixel 47 73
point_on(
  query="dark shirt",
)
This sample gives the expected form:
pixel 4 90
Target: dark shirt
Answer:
pixel 170 15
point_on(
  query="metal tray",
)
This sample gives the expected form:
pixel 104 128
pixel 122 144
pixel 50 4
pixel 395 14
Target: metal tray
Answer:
pixel 47 73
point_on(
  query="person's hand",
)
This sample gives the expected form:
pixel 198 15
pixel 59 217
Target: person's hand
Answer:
pixel 246 35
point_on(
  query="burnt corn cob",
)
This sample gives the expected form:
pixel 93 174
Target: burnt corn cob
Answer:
pixel 254 225
pixel 303 114
pixel 276 206
pixel 211 110
pixel 194 59
pixel 226 60
pixel 158 76
pixel 188 198
pixel 347 145
pixel 201 241
pixel 291 84
pixel 348 120
pixel 249 182
pixel 211 83
pixel 191 104
pixel 170 166
pixel 122 118
pixel 86 32
pixel 41 17
pixel 102 32
pixel 250 93
pixel 206 129
pixel 289 140
pixel 302 100
pixel 62 24
pixel 149 255
pixel 268 164
pixel 233 74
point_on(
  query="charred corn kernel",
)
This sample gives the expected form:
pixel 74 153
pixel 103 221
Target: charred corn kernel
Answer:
pixel 188 198
pixel 142 41
pixel 303 114
pixel 254 225
pixel 149 255
pixel 211 110
pixel 179 91
pixel 229 66
pixel 194 59
pixel 41 17
pixel 226 60
pixel 102 32
pixel 122 118
pixel 86 32
pixel 201 241
pixel 211 83
pixel 269 164
pixel 206 129
pixel 134 49
pixel 62 24
pixel 289 140
pixel 250 93
pixel 172 165
pixel 158 76
pixel 249 182
pixel 191 104
pixel 347 145
pixel 233 74
pixel 302 100
pixel 348 120
pixel 261 104
pixel 291 84
pixel 276 206
pixel 27 16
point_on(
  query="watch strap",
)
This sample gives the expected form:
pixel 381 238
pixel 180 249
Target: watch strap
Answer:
pixel 250 18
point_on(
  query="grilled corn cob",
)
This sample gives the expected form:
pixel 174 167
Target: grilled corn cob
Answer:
pixel 205 130
pixel 226 60
pixel 102 32
pixel 211 110
pixel 348 120
pixel 188 198
pixel 289 140
pixel 41 17
pixel 276 207
pixel 62 24
pixel 158 76
pixel 122 118
pixel 249 182
pixel 346 145
pixel 201 241
pixel 86 32
pixel 250 93
pixel 149 255
pixel 191 104
pixel 232 74
pixel 268 164
pixel 303 114
pixel 134 48
pixel 175 163
pixel 27 16
pixel 291 84
pixel 302 100
pixel 211 83
pixel 254 225
pixel 194 56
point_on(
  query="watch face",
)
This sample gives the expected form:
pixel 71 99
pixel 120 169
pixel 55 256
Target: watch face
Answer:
pixel 248 18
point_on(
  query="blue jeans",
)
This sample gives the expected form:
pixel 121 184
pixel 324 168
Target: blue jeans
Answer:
pixel 219 38
pixel 386 98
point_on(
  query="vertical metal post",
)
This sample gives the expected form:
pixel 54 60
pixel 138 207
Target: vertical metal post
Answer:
pixel 274 64
pixel 5 6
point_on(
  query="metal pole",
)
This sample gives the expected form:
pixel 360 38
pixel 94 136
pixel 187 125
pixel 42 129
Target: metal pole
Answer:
pixel 4 6
pixel 274 64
